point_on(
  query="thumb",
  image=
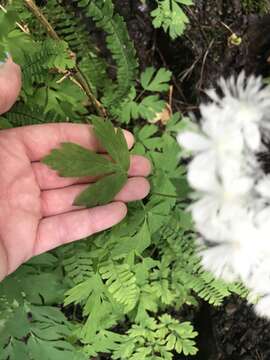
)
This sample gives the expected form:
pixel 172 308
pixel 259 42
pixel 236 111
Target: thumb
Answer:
pixel 10 84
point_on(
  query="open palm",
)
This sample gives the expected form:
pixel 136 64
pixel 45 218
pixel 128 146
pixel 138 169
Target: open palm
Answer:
pixel 36 212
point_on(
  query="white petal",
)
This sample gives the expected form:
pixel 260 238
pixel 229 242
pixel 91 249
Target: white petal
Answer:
pixel 252 135
pixel 230 169
pixel 210 122
pixel 245 255
pixel 262 308
pixel 218 261
pixel 206 215
pixel 259 280
pixel 202 172
pixel 263 187
pixel 240 186
pixel 193 141
pixel 213 95
pixel 226 136
pixel 262 219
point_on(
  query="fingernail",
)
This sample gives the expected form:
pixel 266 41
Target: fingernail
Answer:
pixel 5 59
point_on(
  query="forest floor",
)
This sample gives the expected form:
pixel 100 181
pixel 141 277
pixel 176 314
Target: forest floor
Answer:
pixel 197 59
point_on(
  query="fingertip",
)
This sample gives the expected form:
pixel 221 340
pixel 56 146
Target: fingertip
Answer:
pixel 147 166
pixel 129 138
pixel 136 188
pixel 106 216
pixel 145 187
pixel 121 208
pixel 140 166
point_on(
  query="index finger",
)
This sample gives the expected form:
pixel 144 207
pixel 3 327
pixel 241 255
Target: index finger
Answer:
pixel 39 140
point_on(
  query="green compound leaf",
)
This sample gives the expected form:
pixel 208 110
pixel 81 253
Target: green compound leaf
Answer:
pixel 170 16
pixel 73 160
pixel 156 81
pixel 103 191
pixel 150 106
pixel 113 141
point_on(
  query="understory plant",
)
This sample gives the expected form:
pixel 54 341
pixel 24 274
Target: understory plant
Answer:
pixel 170 15
pixel 119 294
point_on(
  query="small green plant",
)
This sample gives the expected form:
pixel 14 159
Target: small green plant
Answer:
pixel 118 292
pixel 155 82
pixel 170 16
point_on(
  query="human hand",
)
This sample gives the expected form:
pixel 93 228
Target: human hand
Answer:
pixel 36 211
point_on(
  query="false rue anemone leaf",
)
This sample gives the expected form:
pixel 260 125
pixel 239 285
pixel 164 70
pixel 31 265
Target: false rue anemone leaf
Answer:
pixel 102 191
pixel 73 160
pixel 113 141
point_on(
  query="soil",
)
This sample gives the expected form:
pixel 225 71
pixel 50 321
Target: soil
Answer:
pixel 197 60
pixel 204 52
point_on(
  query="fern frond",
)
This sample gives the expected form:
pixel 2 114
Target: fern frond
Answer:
pixel 78 263
pixel 95 69
pixel 69 26
pixel 120 45
pixel 22 115
pixel 49 54
pixel 121 283
pixel 103 342
pixel 188 272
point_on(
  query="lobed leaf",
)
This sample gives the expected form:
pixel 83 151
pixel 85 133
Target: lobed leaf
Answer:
pixel 113 141
pixel 103 191
pixel 155 81
pixel 73 160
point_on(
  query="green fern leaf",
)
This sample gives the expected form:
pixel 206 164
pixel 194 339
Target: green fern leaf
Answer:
pixel 78 263
pixel 120 45
pixel 121 283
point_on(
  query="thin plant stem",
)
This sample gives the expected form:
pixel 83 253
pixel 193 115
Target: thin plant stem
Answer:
pixel 23 29
pixel 78 74
pixel 165 195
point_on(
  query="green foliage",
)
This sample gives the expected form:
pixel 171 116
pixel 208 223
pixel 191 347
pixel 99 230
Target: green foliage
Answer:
pixel 72 160
pixel 118 42
pixel 123 279
pixel 121 283
pixel 120 292
pixel 45 329
pixel 30 327
pixel 170 16
pixel 70 27
pixel 151 81
pixel 113 141
pixel 102 191
pixel 156 341
pixel 155 81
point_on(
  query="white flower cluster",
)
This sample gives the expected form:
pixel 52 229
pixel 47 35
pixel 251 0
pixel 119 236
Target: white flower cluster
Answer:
pixel 232 207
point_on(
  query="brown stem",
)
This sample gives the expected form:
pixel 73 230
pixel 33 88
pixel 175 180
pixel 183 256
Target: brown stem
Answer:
pixel 78 75
pixel 23 29
pixel 41 18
